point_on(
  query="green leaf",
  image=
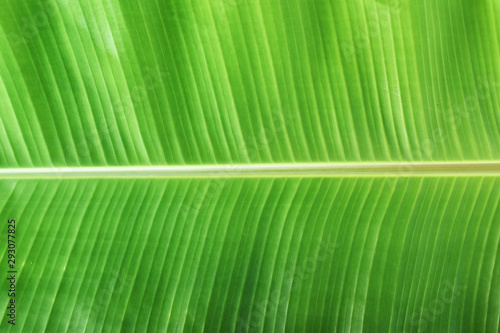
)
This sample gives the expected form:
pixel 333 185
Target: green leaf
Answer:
pixel 303 165
pixel 105 82
pixel 325 254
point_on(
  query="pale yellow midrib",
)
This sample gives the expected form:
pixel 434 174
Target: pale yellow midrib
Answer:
pixel 406 169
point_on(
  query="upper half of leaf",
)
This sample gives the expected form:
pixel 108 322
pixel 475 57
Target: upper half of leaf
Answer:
pixel 230 81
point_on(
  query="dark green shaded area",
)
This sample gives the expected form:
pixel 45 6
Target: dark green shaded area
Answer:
pixel 330 254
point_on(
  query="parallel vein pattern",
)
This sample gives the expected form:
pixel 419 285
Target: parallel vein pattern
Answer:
pixel 322 254
pixel 112 82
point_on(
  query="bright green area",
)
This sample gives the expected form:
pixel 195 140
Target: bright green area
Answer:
pixel 133 82
pixel 203 82
pixel 324 255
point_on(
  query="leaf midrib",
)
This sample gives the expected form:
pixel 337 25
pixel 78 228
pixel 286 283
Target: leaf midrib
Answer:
pixel 383 169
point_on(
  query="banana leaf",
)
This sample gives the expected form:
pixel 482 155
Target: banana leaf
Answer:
pixel 250 166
